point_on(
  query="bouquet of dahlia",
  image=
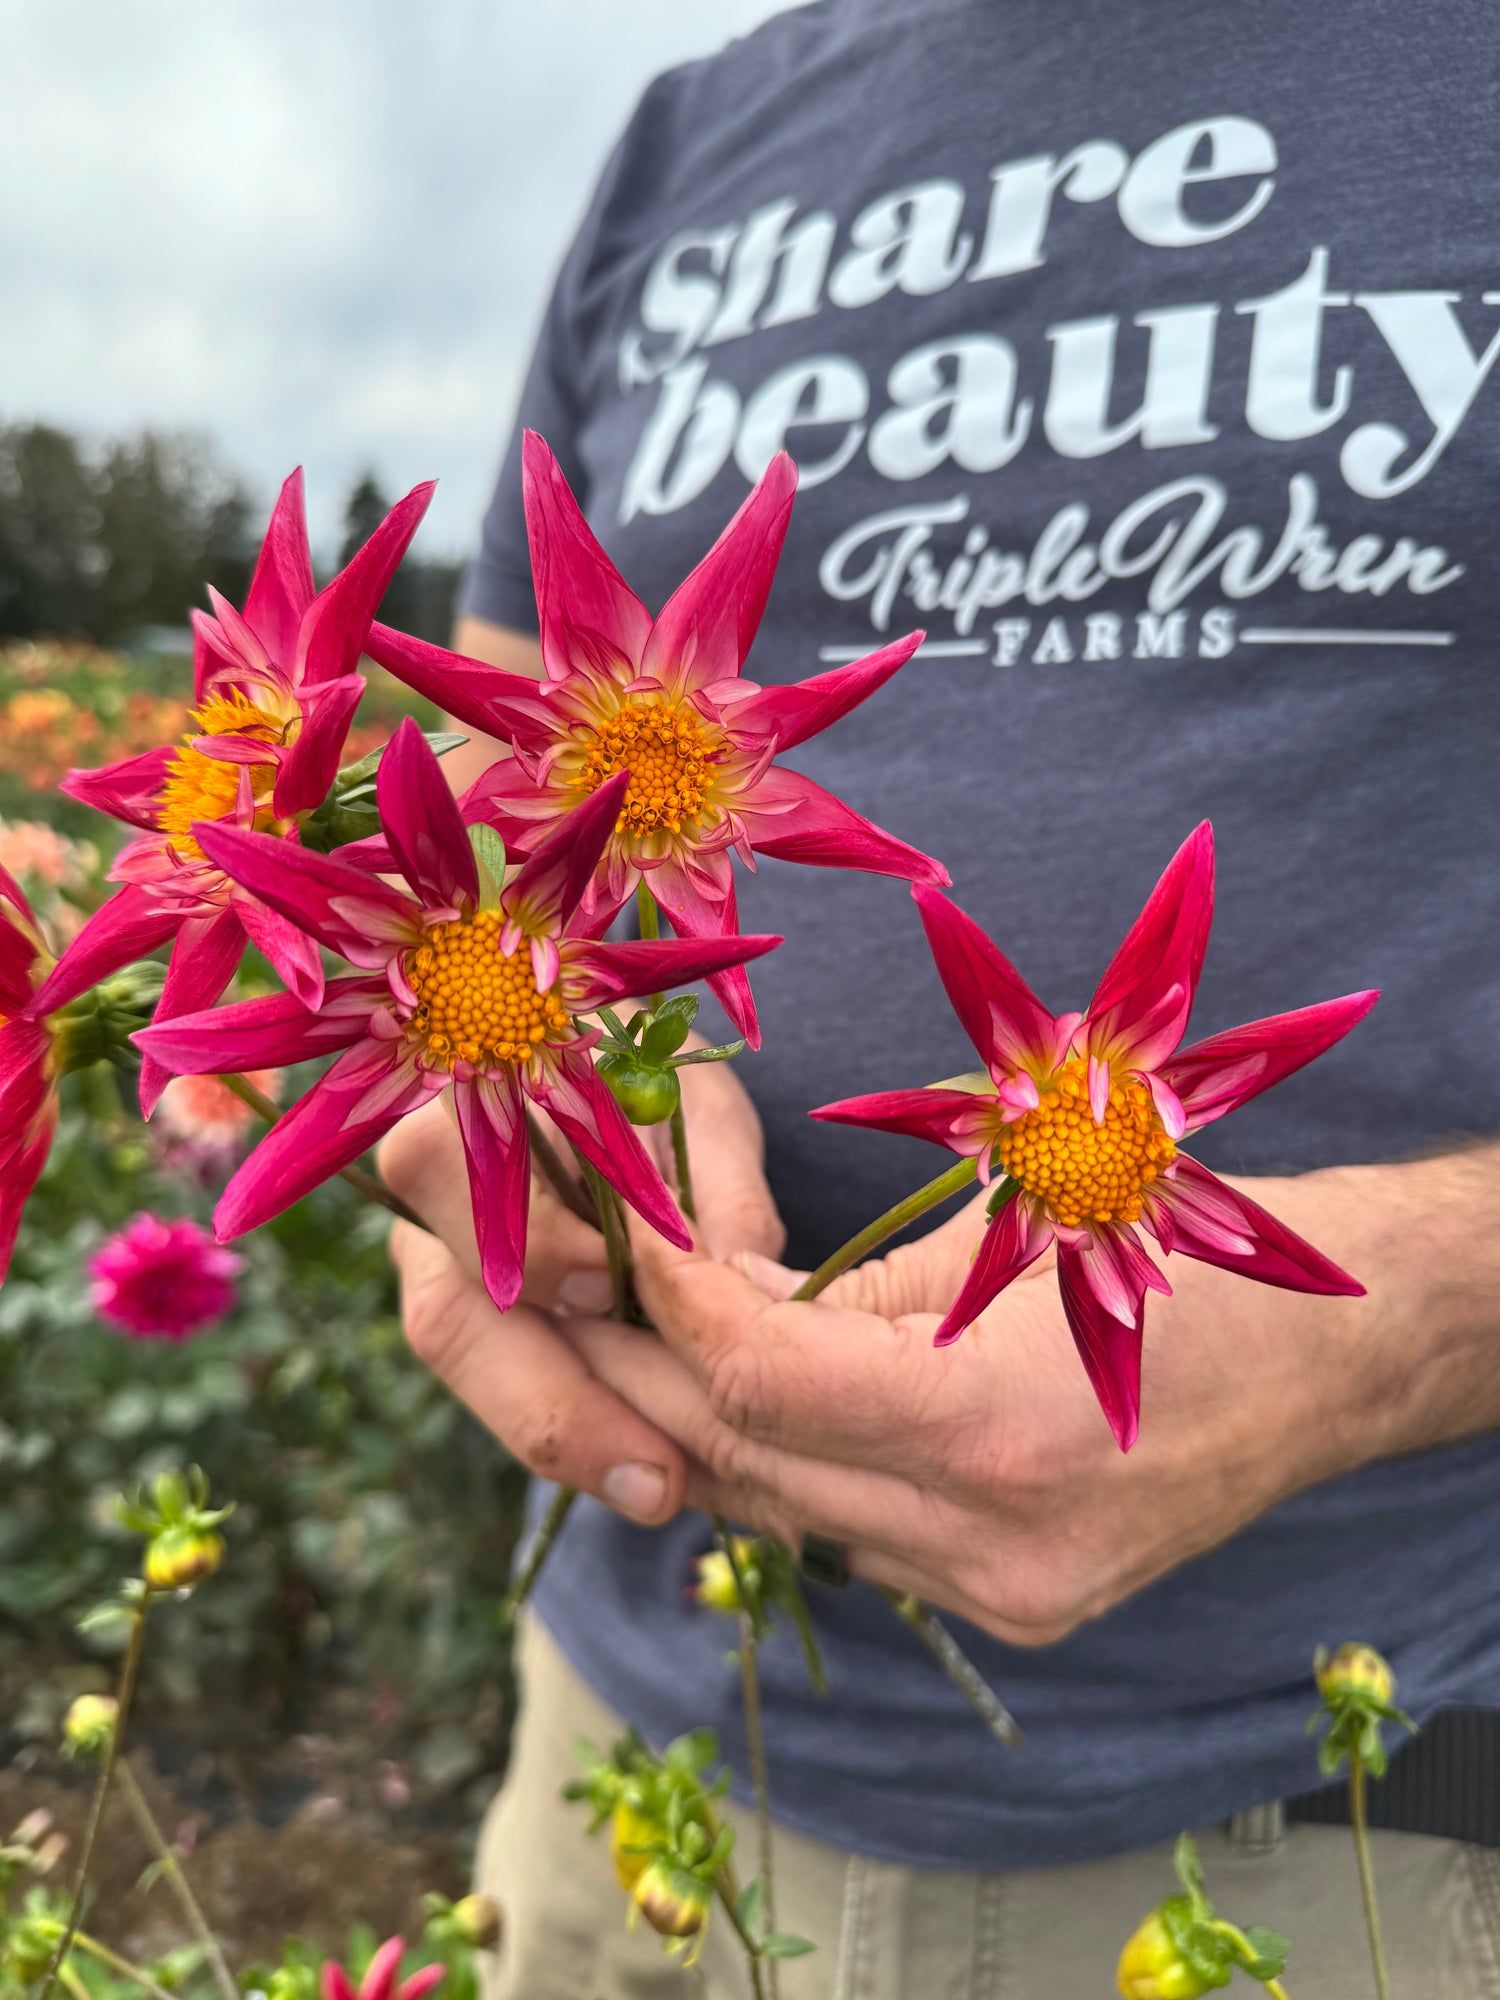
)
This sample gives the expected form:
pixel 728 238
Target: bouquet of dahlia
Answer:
pixel 428 945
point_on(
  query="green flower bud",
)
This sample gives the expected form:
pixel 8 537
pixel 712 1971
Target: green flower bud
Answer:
pixel 1152 1966
pixel 672 1899
pixel 97 1026
pixel 1354 1670
pixel 177 1558
pixel 29 1947
pixel 648 1093
pixel 477 1920
pixel 715 1586
pixel 89 1724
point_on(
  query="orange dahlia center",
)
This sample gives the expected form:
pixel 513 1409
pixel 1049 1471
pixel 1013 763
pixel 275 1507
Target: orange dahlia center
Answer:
pixel 669 755
pixel 201 787
pixel 1082 1170
pixel 474 1002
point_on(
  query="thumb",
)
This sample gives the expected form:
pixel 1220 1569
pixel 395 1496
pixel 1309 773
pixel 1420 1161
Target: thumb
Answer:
pixel 726 1159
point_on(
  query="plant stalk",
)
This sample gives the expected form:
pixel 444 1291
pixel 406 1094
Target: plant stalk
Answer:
pixel 562 1183
pixel 956 1664
pixel 171 1867
pixel 365 1184
pixel 1360 1825
pixel 759 1778
pixel 649 913
pixel 875 1233
pixel 728 1895
pixel 122 1966
pixel 124 1695
pixel 548 1530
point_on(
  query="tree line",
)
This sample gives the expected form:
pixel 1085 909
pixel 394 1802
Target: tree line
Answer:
pixel 104 542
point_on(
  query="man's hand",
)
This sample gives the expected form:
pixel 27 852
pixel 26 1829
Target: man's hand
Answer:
pixel 528 1384
pixel 983 1476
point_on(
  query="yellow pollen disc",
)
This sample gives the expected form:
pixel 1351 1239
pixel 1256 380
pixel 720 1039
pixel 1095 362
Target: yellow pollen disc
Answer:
pixel 475 1003
pixel 670 758
pixel 1082 1171
pixel 199 787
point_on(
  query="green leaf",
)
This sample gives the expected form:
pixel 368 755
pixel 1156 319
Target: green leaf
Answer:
pixel 1270 1950
pixel 786 1944
pixel 693 1752
pixel 747 1905
pixel 489 859
pixel 669 1029
pixel 722 1052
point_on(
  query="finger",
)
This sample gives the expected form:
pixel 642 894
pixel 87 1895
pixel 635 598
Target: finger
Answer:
pixel 422 1160
pixel 531 1388
pixel 726 1155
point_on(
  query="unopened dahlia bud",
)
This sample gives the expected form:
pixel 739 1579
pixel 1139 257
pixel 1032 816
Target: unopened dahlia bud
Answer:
pixel 673 1900
pixel 1152 1966
pixel 477 1920
pixel 633 1835
pixel 89 1724
pixel 715 1585
pixel 1354 1670
pixel 178 1558
pixel 648 1093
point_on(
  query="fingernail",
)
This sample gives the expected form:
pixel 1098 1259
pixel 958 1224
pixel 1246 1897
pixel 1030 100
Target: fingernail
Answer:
pixel 638 1490
pixel 585 1291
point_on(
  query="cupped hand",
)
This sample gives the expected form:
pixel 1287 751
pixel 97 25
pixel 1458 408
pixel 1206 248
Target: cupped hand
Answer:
pixel 983 1476
pixel 527 1383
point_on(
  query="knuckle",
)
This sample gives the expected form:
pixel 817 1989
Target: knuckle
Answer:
pixel 536 1436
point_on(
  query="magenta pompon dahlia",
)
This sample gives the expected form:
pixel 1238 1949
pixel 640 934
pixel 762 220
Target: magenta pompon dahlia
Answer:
pixel 161 1280
pixel 664 700
pixel 1083 1114
pixel 274 692
pixel 28 1079
pixel 469 987
pixel 379 1982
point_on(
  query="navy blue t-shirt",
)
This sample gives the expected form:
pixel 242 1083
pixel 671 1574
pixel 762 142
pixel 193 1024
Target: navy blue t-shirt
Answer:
pixel 1148 355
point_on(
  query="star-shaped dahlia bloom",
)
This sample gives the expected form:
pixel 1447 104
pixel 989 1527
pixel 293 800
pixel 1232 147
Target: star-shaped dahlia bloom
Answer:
pixel 464 985
pixel 274 691
pixel 379 1982
pixel 1083 1114
pixel 664 700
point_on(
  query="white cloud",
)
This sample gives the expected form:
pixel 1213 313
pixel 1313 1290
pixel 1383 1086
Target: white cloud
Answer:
pixel 322 232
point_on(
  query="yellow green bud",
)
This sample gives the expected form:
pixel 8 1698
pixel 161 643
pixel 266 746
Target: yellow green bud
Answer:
pixel 631 1833
pixel 715 1587
pixel 673 1900
pixel 90 1723
pixel 477 1919
pixel 177 1558
pixel 1152 1966
pixel 1355 1670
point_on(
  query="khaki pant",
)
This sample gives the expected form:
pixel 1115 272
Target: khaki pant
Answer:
pixel 893 1933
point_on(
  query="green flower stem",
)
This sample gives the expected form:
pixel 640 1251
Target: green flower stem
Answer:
pixel 756 1737
pixel 541 1547
pixel 875 1233
pixel 122 1966
pixel 365 1184
pixel 728 1892
pixel 124 1694
pixel 563 1185
pixel 649 912
pixel 616 1243
pixel 956 1664
pixel 1359 1823
pixel 182 1889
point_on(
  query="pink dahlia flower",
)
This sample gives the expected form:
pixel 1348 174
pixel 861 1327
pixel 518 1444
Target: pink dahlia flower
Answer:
pixel 162 1280
pixel 662 699
pixel 379 1982
pixel 465 985
pixel 275 689
pixel 28 1071
pixel 1083 1115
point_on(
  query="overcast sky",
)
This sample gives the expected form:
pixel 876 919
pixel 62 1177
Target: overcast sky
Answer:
pixel 322 230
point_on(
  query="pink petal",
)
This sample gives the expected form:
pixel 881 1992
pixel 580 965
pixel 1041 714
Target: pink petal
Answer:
pixel 492 1123
pixel 294 956
pixel 350 912
pixel 131 925
pixel 337 622
pixel 580 1103
pixel 609 972
pixel 1098 1088
pixel 692 915
pixel 578 588
pixel 1220 1074
pixel 421 1982
pixel 307 770
pixel 282 586
pixel 1168 1105
pixel 1194 1212
pixel 792 818
pixel 709 623
pixel 380 1974
pixel 956 1119
pixel 1141 1006
pixel 486 698
pixel 1014 1238
pixel 127 790
pixel 546 891
pixel 509 800
pixel 422 824
pixel 997 1010
pixel 18 956
pixel 1110 1350
pixel 203 961
pixel 805 708
pixel 21 1163
pixel 270 1032
pixel 335 1982
pixel 322 1133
